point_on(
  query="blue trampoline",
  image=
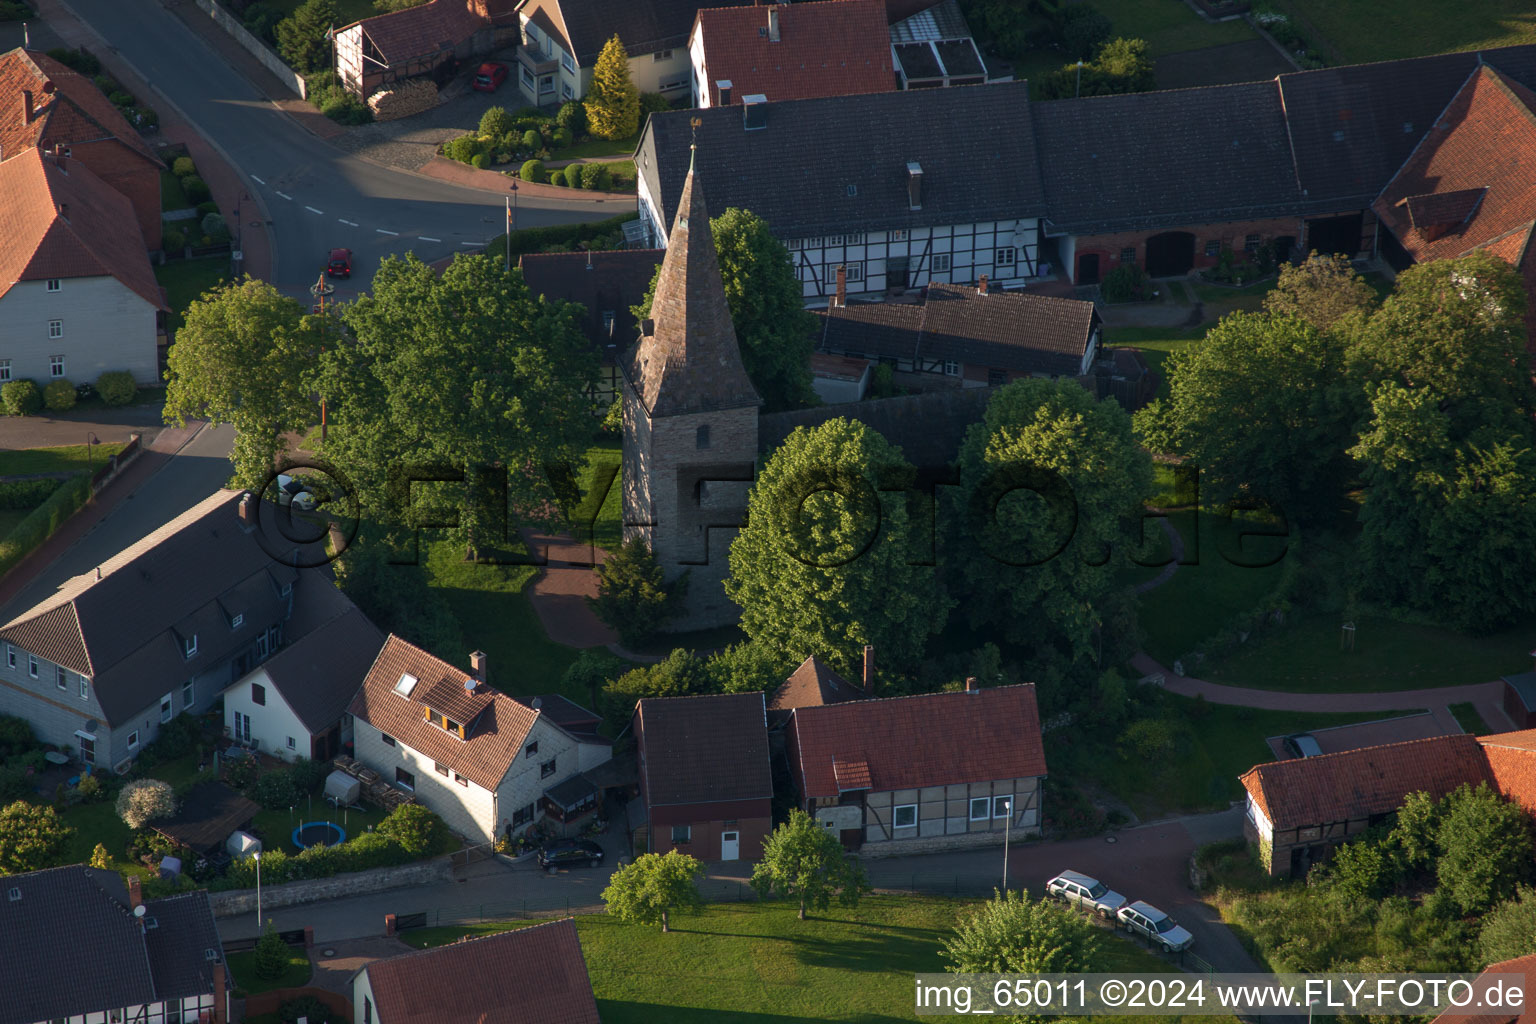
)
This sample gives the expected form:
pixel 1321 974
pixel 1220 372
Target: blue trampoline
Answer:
pixel 318 833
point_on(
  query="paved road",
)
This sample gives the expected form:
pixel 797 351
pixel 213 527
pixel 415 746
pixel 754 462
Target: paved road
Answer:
pixel 316 196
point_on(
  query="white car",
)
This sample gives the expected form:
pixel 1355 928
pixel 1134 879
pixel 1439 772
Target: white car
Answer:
pixel 292 492
pixel 1155 926
pixel 1088 893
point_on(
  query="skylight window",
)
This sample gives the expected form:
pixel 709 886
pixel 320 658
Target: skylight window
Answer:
pixel 406 684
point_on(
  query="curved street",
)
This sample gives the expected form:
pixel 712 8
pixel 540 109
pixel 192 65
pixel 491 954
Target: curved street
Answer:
pixel 315 197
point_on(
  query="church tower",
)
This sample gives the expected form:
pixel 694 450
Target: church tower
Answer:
pixel 690 421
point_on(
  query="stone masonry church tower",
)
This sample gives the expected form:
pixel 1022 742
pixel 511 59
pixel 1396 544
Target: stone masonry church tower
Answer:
pixel 690 421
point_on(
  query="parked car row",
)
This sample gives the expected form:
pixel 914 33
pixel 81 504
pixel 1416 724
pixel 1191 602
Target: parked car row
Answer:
pixel 1139 917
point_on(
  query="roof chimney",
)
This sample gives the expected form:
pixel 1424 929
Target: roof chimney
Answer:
pixel 247 510
pixel 60 158
pixel 64 211
pixel 841 298
pixel 754 111
pixel 981 286
pixel 98 572
pixel 477 662
pixel 135 892
pixel 723 87
pixel 773 24
pixel 972 685
pixel 220 995
pixel 869 669
pixel 914 186
pixel 27 110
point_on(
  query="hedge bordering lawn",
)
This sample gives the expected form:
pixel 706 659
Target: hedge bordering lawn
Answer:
pixel 44 521
pixel 567 235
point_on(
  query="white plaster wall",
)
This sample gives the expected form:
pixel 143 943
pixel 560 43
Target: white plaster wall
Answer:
pixel 273 723
pixel 107 326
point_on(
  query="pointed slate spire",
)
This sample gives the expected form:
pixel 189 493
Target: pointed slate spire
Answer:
pixel 690 362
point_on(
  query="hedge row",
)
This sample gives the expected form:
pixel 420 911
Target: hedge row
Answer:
pixel 43 521
pixel 539 239
pixel 19 494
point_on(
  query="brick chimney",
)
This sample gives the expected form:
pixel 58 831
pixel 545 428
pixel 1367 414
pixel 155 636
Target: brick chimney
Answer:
pixel 220 995
pixel 135 892
pixel 869 669
pixel 477 663
pixel 840 298
pixel 28 112
pixel 60 160
pixel 247 511
pixel 773 24
pixel 914 186
pixel 981 286
pixel 972 685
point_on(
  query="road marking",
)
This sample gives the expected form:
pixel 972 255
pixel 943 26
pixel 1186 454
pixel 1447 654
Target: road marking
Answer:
pixel 424 238
pixel 348 223
pixel 257 180
pixel 311 209
pixel 471 243
pixel 383 232
pixel 284 195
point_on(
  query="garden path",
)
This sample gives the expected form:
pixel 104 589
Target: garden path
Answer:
pixel 1176 542
pixel 559 594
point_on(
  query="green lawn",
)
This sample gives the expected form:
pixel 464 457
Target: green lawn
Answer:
pixel 1170 27
pixel 242 970
pixel 1469 720
pixel 1156 344
pixel 185 280
pixel 1359 31
pixel 73 458
pixel 599 481
pixel 1221 294
pixel 171 195
pixel 590 147
pixel 276 827
pixel 1305 656
pixel 1202 598
pixel 754 963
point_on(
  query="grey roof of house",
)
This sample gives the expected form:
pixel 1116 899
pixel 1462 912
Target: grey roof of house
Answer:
pixel 873 329
pixel 975 145
pixel 319 674
pixel 70 945
pixel 126 630
pixel 643 26
pixel 599 282
pixel 1524 684
pixel 703 749
pixel 928 427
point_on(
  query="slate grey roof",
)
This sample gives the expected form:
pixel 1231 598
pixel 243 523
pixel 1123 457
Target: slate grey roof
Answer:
pixel 873 329
pixel 704 749
pixel 320 674
pixel 643 26
pixel 928 428
pixel 1524 685
pixel 599 282
pixel 70 945
pixel 975 145
pixel 127 630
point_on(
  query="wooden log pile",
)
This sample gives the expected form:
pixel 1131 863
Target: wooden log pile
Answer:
pixel 402 99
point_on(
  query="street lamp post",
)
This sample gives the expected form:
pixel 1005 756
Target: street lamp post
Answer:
pixel 1007 827
pixel 91 441
pixel 257 855
pixel 1079 91
pixel 511 226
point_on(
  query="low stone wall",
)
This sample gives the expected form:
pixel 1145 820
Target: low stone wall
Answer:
pixel 271 1002
pixel 940 844
pixel 357 883
pixel 258 49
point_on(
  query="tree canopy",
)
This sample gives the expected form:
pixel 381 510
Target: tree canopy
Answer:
pixel 654 887
pixel 242 357
pixel 613 102
pixel 1011 934
pixel 830 558
pixel 1121 66
pixel 632 595
pixel 32 838
pixel 301 37
pixel 803 861
pixel 1322 290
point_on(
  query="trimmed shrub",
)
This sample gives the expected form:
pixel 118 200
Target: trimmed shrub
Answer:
pixel 145 800
pixel 143 117
pixel 275 790
pixel 183 167
pixel 307 1008
pixel 59 395
pixel 213 224
pixel 309 776
pixel 653 103
pixel 495 122
pixel 533 170
pixel 481 161
pixel 89 791
pixel 204 209
pixel 121 98
pixel 42 521
pixel 20 494
pixel 21 398
pixel 415 828
pixel 16 737
pixel 116 387
pixel 195 189
pixel 1126 283
pixel 172 241
pixel 570 174
pixel 532 140
pixel 563 237
pixel 595 177
pixel 561 138
pixel 462 149
pixel 572 116
pixel 77 60
pixel 271 955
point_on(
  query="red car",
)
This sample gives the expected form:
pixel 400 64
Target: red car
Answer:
pixel 491 74
pixel 340 263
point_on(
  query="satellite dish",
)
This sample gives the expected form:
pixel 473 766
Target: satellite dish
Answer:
pixel 138 911
pixel 90 726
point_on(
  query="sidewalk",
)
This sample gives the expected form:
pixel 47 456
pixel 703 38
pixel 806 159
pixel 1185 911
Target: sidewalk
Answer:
pixel 238 206
pixel 58 429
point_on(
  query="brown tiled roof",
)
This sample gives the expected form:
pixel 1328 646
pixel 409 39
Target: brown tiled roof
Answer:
pixel 691 361
pixel 600 282
pixel 851 775
pixel 813 684
pixel 57 224
pixel 490 747
pixel 926 427
pixel 319 674
pixel 1472 178
pixel 836 48
pixel 456 700
pixel 67 108
pixel 1359 783
pixel 534 975
pixel 933 739
pixel 419 31
pixel 1525 965
pixel 704 749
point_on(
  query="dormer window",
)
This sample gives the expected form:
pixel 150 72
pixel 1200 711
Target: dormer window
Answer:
pixel 189 646
pixel 445 723
pixel 406 684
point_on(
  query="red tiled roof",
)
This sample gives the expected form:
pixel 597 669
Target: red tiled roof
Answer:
pixel 851 775
pixel 1525 965
pixel 531 975
pixel 835 48
pixel 933 739
pixel 1359 783
pixel 704 749
pixel 492 740
pixel 418 31
pixel 57 224
pixel 1472 178
pixel 67 107
pixel 813 684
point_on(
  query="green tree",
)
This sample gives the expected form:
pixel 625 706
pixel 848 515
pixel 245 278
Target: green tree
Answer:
pixel 1005 22
pixel 593 669
pixel 495 122
pixel 1509 929
pixel 301 37
pixel 775 331
pixel 418 830
pixel 32 838
pixel 271 955
pixel 465 377
pixel 145 800
pixel 1322 290
pixel 826 562
pixel 1415 834
pixel 1121 66
pixel 654 887
pixel 387 6
pixel 680 674
pixel 1485 848
pixel 1254 405
pixel 1051 482
pixel 100 858
pixel 397 597
pixel 241 358
pixel 747 666
pixel 633 596
pixel 1011 933
pixel 803 861
pixel 613 102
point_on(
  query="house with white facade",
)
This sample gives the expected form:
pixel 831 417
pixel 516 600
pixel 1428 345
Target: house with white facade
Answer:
pixel 77 295
pixel 157 630
pixel 881 185
pixel 295 704
pixel 484 762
